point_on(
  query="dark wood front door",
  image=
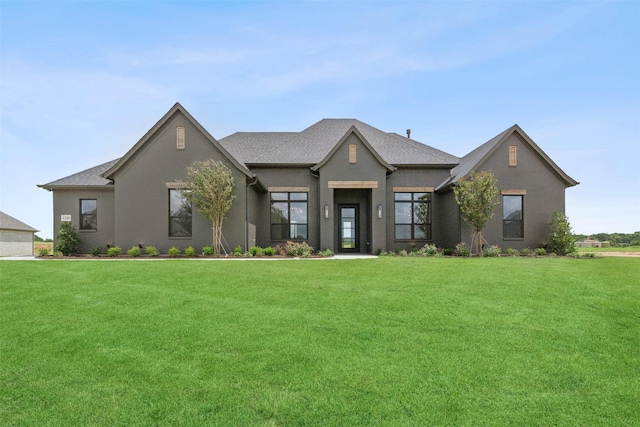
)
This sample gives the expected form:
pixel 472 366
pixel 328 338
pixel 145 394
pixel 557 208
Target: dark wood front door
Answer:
pixel 349 241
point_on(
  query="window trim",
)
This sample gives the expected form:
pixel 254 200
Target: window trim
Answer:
pixel 288 201
pixel 413 201
pixel 83 215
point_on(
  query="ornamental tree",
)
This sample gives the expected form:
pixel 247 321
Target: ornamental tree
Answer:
pixel 68 241
pixel 209 189
pixel 477 196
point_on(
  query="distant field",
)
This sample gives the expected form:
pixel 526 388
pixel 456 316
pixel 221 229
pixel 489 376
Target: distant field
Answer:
pixel 626 249
pixel 388 341
pixel 42 245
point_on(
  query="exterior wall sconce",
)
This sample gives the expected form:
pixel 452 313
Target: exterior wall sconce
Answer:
pixel 380 211
pixel 326 211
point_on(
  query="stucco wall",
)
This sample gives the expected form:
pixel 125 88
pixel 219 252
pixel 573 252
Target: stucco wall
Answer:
pixel 16 243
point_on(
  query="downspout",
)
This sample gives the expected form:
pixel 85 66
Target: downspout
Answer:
pixel 246 207
pixel 320 208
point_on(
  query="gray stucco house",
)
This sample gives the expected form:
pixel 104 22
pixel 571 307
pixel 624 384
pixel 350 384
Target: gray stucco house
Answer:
pixel 339 184
pixel 16 237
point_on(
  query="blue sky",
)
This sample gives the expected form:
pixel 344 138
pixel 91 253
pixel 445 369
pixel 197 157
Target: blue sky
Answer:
pixel 81 82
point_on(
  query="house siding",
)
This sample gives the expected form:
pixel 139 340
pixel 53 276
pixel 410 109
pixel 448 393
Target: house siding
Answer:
pixel 67 202
pixel 544 194
pixel 142 195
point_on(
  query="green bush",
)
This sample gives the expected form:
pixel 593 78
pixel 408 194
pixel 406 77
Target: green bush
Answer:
pixel 540 252
pixel 448 251
pixel 491 251
pixel 462 250
pixel 237 251
pixel 134 251
pixel 299 249
pixel 114 251
pixel 68 241
pixel 152 251
pixel 174 252
pixel 256 251
pixel 43 252
pixel 326 253
pixel 512 252
pixel 95 251
pixel 525 252
pixel 207 250
pixel 190 251
pixel 561 239
pixel 269 251
pixel 429 250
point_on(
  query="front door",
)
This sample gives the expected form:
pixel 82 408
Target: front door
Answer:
pixel 348 229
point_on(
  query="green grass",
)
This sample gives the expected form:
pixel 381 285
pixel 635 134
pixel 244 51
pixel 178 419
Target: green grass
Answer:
pixel 389 341
pixel 610 249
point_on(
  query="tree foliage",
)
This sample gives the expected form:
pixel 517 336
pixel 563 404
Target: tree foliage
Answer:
pixel 209 189
pixel 477 197
pixel 68 241
pixel 561 239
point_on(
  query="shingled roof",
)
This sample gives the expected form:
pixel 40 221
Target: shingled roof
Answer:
pixel 475 158
pixel 87 178
pixel 313 144
pixel 8 222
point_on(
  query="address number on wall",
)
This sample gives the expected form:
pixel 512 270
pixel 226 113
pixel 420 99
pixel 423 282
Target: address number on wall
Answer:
pixel 65 218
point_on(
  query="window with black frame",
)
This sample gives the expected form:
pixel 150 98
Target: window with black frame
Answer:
pixel 88 214
pixel 289 216
pixel 512 218
pixel 180 216
pixel 412 216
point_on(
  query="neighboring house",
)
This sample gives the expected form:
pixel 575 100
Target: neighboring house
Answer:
pixel 339 184
pixel 16 237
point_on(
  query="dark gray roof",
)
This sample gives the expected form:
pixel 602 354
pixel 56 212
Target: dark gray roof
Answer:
pixel 8 222
pixel 313 144
pixel 475 158
pixel 87 178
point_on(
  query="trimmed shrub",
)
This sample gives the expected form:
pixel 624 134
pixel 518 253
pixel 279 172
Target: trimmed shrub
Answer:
pixel 207 250
pixel 256 251
pixel 190 252
pixel 540 252
pixel 134 251
pixel 237 251
pixel 68 240
pixel 326 253
pixel 152 251
pixel 429 250
pixel 43 251
pixel 269 251
pixel 462 250
pixel 299 249
pixel 491 251
pixel 448 251
pixel 525 252
pixel 512 252
pixel 96 251
pixel 174 252
pixel 114 251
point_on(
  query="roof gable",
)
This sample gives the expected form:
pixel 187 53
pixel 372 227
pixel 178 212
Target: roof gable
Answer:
pixel 176 109
pixel 353 131
pixel 8 222
pixel 474 159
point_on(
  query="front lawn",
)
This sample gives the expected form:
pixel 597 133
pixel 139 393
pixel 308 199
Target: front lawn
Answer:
pixel 388 341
